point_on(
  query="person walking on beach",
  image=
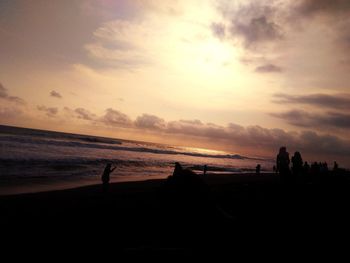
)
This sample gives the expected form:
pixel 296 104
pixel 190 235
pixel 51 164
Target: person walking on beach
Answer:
pixel 106 176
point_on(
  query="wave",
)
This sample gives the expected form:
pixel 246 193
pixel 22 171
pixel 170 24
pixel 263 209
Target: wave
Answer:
pixel 84 164
pixel 26 132
pixel 77 162
pixel 105 146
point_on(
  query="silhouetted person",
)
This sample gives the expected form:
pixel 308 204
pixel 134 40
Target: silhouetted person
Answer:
pixel 335 166
pixel 297 164
pixel 205 169
pixel 106 176
pixel 257 169
pixel 282 163
pixel 324 168
pixel 274 169
pixel 178 169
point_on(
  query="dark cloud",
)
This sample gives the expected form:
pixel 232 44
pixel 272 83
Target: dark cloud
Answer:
pixel 50 111
pixel 302 118
pixel 255 137
pixel 218 30
pixel 258 30
pixel 55 94
pixel 258 137
pixel 312 7
pixel 268 68
pixel 116 118
pixel 254 23
pixel 341 101
pixel 84 114
pixel 5 96
pixel 149 122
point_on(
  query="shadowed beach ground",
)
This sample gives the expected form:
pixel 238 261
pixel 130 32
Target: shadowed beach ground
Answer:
pixel 240 212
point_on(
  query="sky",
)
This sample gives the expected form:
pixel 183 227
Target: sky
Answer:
pixel 240 76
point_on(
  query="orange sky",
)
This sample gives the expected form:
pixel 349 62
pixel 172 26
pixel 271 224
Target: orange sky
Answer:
pixel 243 76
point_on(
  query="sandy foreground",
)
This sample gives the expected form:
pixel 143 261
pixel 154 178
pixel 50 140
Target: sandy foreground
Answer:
pixel 238 212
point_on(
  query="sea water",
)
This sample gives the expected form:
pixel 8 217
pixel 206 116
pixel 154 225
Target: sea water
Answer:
pixel 32 160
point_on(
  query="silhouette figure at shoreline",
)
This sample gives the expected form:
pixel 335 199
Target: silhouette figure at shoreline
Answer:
pixel 257 169
pixel 106 176
pixel 205 169
pixel 306 168
pixel 297 164
pixel 282 163
pixel 335 166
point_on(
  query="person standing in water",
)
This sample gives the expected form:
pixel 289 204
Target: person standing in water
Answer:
pixel 106 176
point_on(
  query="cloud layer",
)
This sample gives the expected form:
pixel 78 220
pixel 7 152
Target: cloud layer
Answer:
pixel 5 96
pixel 234 135
pixel 49 111
pixel 315 120
pixel 341 101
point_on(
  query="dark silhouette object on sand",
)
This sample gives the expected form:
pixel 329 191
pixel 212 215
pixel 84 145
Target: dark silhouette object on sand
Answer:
pixel 257 169
pixel 185 192
pixel 106 176
pixel 282 163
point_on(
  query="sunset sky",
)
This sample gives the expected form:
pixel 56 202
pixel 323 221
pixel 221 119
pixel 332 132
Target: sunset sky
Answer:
pixel 242 76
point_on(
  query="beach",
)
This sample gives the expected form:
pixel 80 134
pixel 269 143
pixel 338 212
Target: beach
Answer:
pixel 240 212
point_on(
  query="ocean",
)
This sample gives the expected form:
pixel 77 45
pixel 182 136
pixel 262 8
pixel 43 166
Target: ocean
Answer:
pixel 36 160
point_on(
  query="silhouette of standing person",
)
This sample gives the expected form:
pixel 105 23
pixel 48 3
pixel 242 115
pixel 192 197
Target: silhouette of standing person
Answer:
pixel 257 169
pixel 297 162
pixel 335 166
pixel 106 176
pixel 205 169
pixel 282 163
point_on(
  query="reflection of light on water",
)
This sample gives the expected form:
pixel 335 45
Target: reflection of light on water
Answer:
pixel 203 151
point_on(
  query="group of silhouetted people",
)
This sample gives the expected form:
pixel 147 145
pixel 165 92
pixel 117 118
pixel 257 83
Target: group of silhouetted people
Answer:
pixel 299 168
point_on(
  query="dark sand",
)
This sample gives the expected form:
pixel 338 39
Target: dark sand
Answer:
pixel 242 213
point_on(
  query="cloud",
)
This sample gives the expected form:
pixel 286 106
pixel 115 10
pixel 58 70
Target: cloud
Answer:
pixel 305 119
pixel 233 135
pixel 5 96
pixel 50 111
pixel 116 118
pixel 117 44
pixel 340 101
pixel 149 122
pixel 257 30
pixel 259 137
pixel 331 7
pixel 55 94
pixel 218 30
pixel 334 14
pixel 9 113
pixel 268 68
pixel 84 114
pixel 255 23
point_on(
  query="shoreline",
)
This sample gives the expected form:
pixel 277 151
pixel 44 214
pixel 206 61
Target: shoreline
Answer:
pixel 38 185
